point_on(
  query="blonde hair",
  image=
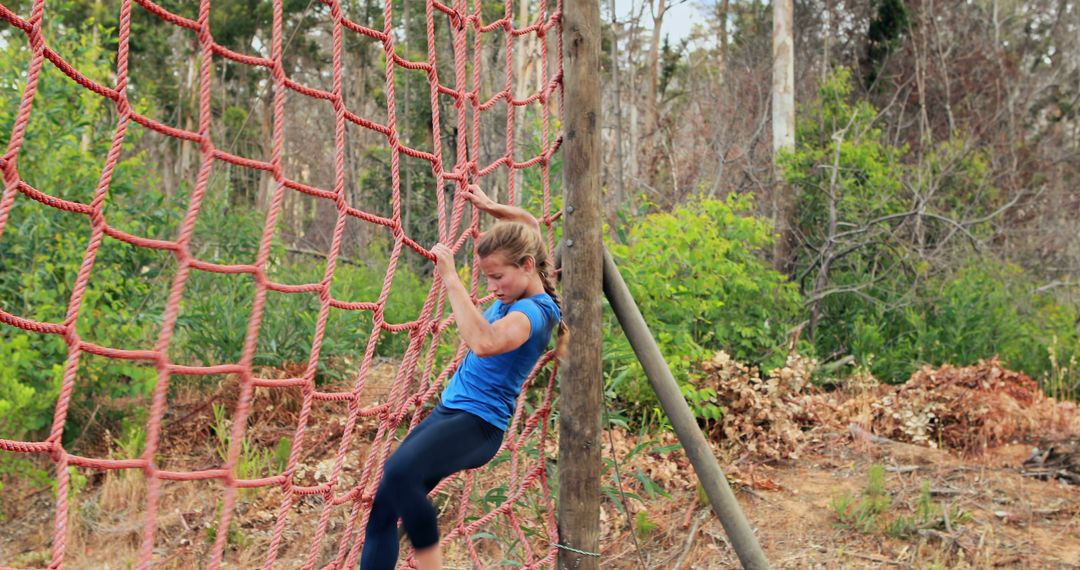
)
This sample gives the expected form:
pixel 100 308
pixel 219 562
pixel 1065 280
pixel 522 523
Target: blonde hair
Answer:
pixel 517 243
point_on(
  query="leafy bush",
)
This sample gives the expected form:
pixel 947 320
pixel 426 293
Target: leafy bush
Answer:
pixel 990 308
pixel 42 248
pixel 885 275
pixel 216 308
pixel 27 388
pixel 986 308
pixel 697 276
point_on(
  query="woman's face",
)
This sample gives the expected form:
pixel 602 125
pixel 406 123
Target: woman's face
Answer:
pixel 507 281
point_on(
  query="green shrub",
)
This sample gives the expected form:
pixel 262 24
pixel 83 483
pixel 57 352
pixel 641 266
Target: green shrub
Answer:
pixel 990 308
pixel 864 513
pixel 898 290
pixel 986 308
pixel 216 308
pixel 42 248
pixel 697 275
pixel 28 388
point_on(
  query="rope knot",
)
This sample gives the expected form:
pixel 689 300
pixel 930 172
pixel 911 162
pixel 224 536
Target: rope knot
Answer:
pixel 122 105
pixel 56 451
pixel 37 40
pixel 458 20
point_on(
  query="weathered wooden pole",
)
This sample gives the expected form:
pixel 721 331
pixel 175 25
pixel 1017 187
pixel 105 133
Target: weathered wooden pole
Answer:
pixel 682 419
pixel 581 389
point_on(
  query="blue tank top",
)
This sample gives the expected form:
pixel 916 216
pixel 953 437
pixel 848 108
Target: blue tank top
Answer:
pixel 488 387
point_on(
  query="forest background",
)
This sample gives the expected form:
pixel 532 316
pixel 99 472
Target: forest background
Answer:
pixel 927 212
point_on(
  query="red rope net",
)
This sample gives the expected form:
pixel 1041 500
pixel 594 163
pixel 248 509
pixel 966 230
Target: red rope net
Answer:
pixel 416 382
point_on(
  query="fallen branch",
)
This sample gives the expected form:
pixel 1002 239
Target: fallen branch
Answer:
pixel 876 559
pixel 858 433
pixel 690 538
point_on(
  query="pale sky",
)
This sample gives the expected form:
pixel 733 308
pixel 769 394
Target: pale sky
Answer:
pixel 678 21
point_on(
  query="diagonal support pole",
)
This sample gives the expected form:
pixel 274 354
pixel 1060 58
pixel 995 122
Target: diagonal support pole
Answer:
pixel 682 419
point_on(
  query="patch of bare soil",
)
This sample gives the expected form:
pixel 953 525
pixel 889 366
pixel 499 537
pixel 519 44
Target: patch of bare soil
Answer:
pixel 1006 520
pixel 107 516
pixel 973 467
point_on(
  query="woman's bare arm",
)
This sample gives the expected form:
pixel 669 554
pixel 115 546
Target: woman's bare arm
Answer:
pixel 474 194
pixel 482 337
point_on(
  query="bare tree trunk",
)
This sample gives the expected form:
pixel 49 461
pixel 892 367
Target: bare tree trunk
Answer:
pixel 635 151
pixel 828 249
pixel 519 90
pixel 407 179
pixel 652 112
pixel 183 166
pixel 722 20
pixel 783 121
pixel 615 63
pixel 88 132
pixel 827 38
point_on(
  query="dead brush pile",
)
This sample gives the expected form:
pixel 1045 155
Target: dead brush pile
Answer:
pixel 764 417
pixel 970 409
pixel 963 409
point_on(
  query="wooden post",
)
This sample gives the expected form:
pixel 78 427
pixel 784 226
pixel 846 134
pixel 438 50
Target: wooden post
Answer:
pixel 581 389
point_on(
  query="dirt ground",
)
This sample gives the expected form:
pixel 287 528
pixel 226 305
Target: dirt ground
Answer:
pixel 1012 521
pixel 971 510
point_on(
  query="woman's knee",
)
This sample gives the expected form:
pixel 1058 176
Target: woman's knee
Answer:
pixel 399 473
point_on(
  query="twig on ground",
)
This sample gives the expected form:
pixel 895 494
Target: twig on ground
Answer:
pixel 690 538
pixel 877 559
pixel 689 515
pixel 858 433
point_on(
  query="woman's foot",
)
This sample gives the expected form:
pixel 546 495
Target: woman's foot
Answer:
pixel 429 558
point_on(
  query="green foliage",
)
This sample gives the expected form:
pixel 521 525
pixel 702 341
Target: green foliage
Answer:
pixel 281 454
pixel 833 132
pixel 235 536
pixel 76 484
pixel 615 478
pixel 27 393
pixel 643 526
pixel 43 248
pixel 989 308
pixel 697 275
pixel 132 441
pixel 254 461
pixel 216 308
pixel 896 290
pixel 871 514
pixel 531 190
pixel 863 512
pixel 885 34
pixel 986 308
pixel 847 176
pixel 928 515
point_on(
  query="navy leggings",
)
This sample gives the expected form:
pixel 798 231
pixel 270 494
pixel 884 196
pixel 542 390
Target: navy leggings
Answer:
pixel 447 441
